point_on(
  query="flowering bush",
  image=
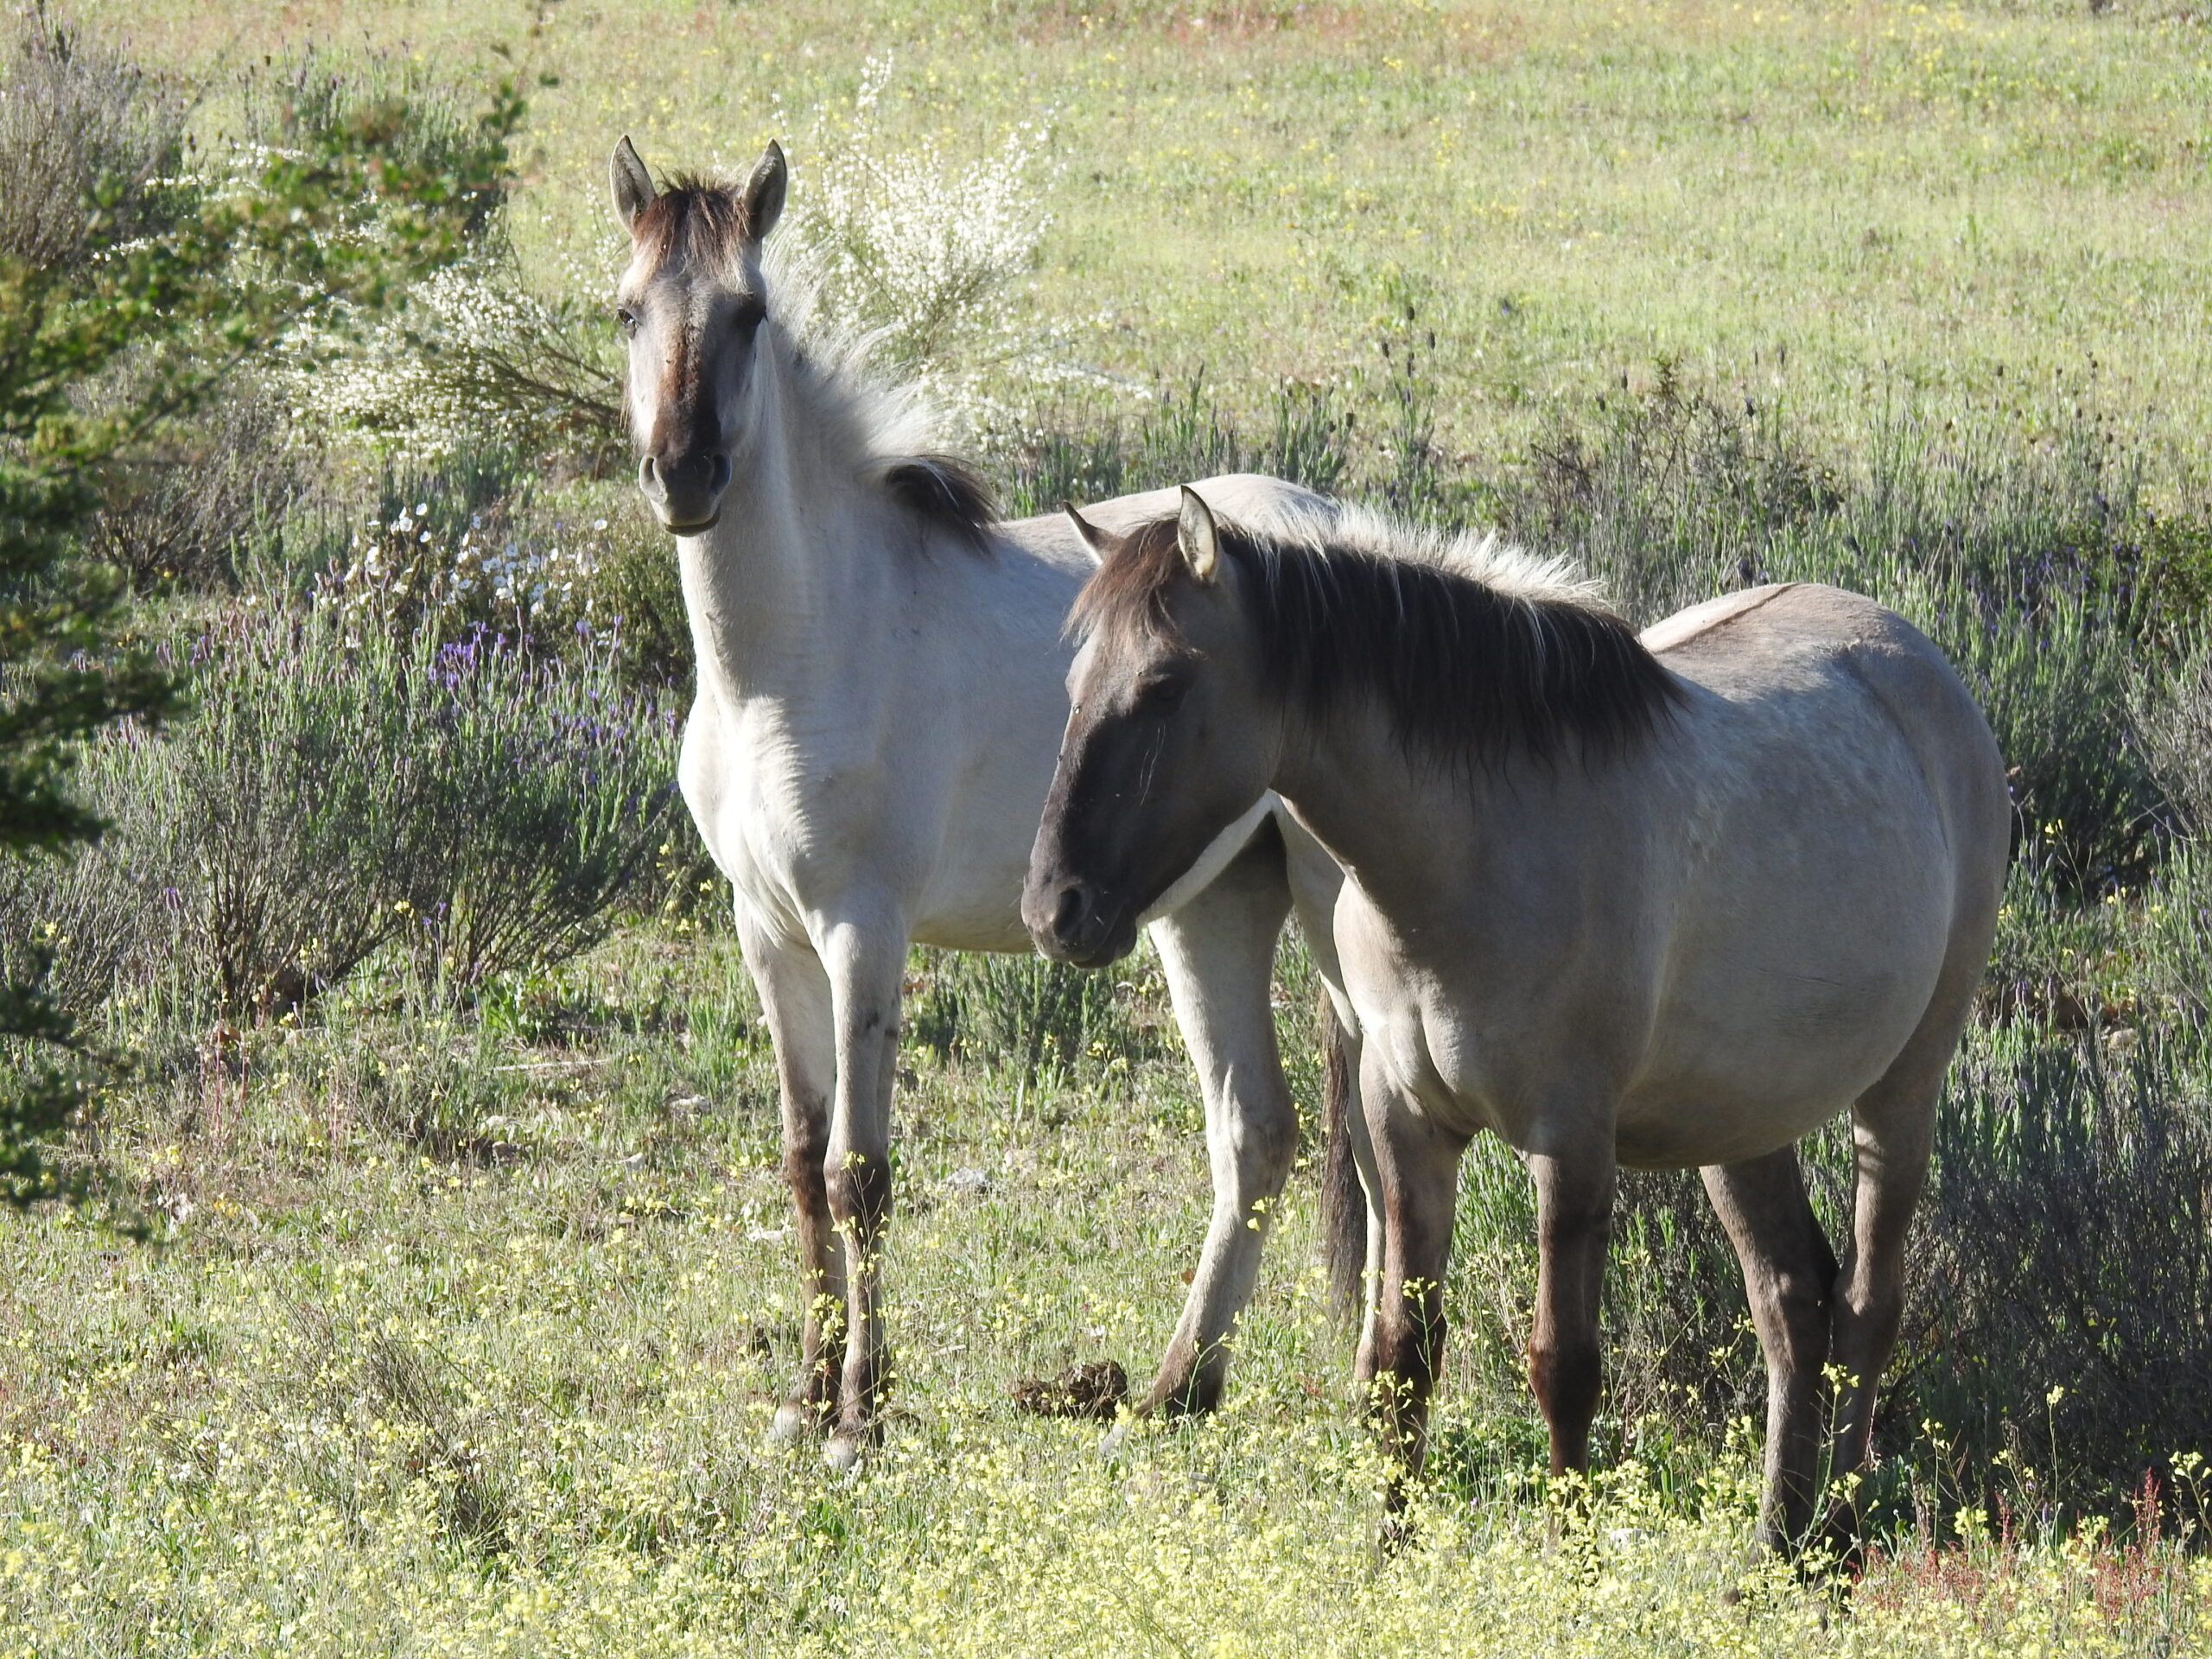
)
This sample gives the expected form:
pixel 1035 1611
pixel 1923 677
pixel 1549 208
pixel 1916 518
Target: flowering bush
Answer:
pixel 917 256
pixel 407 571
pixel 478 357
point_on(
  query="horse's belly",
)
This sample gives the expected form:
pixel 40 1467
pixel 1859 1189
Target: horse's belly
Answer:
pixel 1760 1057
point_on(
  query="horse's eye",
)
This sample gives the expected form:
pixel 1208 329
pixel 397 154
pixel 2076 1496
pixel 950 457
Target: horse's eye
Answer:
pixel 1162 697
pixel 627 320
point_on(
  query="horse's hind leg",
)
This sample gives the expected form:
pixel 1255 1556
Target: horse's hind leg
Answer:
pixel 795 997
pixel 1218 951
pixel 1893 1130
pixel 1789 1273
pixel 1893 1127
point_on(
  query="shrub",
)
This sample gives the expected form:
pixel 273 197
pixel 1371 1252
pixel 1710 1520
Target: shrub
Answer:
pixel 315 97
pixel 1182 435
pixel 337 791
pixel 92 146
pixel 101 353
pixel 1039 1018
pixel 480 355
pixel 2063 1310
pixel 183 511
pixel 2172 722
pixel 1668 495
pixel 918 257
pixel 479 540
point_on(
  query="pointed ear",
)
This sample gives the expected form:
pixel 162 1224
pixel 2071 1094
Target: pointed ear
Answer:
pixel 633 186
pixel 1093 539
pixel 1194 534
pixel 764 193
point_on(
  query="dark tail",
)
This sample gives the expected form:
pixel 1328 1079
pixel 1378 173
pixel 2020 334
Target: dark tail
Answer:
pixel 1344 1201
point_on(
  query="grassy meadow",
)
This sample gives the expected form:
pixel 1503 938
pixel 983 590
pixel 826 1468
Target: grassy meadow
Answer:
pixel 1836 208
pixel 425 1060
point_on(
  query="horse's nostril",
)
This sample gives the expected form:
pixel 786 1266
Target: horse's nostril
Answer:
pixel 1073 910
pixel 648 475
pixel 721 474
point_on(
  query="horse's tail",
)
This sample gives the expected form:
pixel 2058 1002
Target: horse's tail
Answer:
pixel 1344 1200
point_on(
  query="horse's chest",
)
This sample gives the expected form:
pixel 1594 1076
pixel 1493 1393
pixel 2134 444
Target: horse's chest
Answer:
pixel 1437 1054
pixel 781 817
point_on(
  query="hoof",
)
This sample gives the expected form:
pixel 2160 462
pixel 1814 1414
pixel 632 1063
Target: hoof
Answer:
pixel 1398 1534
pixel 844 1453
pixel 793 1421
pixel 1114 1440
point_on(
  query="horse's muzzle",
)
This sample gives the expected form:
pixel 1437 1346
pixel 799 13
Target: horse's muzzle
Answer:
pixel 1071 923
pixel 686 493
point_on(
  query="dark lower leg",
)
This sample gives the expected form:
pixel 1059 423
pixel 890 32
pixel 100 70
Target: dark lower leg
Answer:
pixel 1417 1176
pixel 1575 1207
pixel 1789 1276
pixel 821 1271
pixel 795 997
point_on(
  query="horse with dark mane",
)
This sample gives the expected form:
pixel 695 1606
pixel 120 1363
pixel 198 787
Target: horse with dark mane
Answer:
pixel 1664 901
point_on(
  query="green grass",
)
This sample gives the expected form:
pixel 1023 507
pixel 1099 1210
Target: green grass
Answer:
pixel 504 1388
pixel 463 1323
pixel 1834 208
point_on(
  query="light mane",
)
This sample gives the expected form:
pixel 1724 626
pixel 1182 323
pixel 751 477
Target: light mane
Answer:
pixel 880 432
pixel 1474 648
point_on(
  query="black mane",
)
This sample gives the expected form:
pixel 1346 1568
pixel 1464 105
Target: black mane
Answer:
pixel 945 493
pixel 1466 672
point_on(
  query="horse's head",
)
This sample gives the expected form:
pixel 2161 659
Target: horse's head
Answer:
pixel 691 306
pixel 1172 735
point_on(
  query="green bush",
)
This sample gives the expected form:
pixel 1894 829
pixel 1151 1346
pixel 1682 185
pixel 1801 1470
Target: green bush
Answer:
pixel 2062 1314
pixel 92 144
pixel 339 789
pixel 1036 1019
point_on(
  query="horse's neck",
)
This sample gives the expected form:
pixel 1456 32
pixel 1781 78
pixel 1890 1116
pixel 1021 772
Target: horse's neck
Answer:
pixel 791 577
pixel 1404 828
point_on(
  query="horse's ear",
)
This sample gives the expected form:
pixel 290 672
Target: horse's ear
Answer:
pixel 633 186
pixel 1195 534
pixel 764 192
pixel 1093 539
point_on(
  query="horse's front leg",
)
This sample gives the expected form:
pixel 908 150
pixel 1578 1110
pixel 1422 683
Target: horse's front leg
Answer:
pixel 866 962
pixel 1416 1170
pixel 795 998
pixel 1574 1212
pixel 1218 951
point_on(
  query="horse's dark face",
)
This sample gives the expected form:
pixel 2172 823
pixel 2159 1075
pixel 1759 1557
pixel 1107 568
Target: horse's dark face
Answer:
pixel 690 307
pixel 1170 739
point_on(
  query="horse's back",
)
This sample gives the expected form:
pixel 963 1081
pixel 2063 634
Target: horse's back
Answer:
pixel 1823 659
